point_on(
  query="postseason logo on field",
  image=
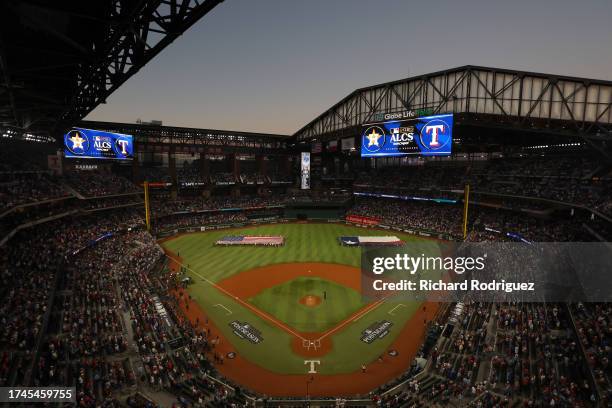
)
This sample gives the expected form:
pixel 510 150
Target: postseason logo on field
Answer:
pixel 246 331
pixel 376 331
pixel 427 136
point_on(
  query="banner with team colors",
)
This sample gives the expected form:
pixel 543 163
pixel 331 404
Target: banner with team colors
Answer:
pixel 426 136
pixel 95 144
pixel 305 170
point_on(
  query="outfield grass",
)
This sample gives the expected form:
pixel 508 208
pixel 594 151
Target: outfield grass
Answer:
pixel 283 302
pixel 304 243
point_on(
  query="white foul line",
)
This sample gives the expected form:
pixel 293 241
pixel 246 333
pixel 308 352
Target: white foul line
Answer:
pixel 392 310
pixel 229 312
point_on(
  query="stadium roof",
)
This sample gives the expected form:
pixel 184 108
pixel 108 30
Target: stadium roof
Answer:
pixel 575 107
pixel 61 59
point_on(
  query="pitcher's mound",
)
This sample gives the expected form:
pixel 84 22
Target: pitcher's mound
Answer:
pixel 310 300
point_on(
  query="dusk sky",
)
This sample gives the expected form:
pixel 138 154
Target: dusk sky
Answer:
pixel 273 65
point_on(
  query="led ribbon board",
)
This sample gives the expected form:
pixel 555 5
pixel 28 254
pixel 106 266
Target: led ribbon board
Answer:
pixel 95 144
pixel 426 136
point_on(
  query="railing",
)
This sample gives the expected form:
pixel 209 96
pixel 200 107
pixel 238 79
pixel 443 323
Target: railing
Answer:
pixel 584 353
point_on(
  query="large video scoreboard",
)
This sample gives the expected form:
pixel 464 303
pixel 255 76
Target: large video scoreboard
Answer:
pixel 426 136
pixel 82 143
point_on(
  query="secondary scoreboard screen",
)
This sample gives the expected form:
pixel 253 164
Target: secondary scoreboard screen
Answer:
pixel 95 144
pixel 425 136
pixel 305 170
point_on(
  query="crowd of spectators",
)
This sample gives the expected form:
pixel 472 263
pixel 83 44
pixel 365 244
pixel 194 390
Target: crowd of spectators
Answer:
pixel 30 264
pixel 191 220
pixel 484 223
pixel 223 179
pixel 28 187
pixel 96 184
pixel 112 201
pixel 537 357
pixel 413 178
pixel 88 304
pixel 566 179
pixel 176 353
pixel 253 178
pixel 428 216
pixel 97 290
pixel 154 174
pixel 593 324
pixel 495 225
pixel 85 342
pixel 165 207
pixel 511 355
pixel 190 174
pixel 281 178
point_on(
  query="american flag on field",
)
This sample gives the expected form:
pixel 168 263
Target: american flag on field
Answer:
pixel 250 240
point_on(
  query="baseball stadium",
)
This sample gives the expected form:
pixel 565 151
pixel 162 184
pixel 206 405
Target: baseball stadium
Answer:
pixel 153 265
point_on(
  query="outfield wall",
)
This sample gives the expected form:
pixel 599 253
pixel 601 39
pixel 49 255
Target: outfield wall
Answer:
pixel 201 228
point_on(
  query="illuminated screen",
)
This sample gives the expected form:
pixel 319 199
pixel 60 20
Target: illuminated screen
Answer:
pixel 95 144
pixel 305 173
pixel 425 136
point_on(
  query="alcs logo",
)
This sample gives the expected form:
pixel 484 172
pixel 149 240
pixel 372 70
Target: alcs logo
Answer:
pixel 402 136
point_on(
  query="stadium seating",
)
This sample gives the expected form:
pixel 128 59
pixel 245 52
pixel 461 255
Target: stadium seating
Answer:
pixel 90 313
pixel 566 179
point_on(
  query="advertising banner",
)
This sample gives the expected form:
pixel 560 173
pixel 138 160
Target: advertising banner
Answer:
pixel 362 219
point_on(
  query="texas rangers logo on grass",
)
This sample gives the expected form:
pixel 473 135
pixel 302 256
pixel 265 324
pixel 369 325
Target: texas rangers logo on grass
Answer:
pixel 376 331
pixel 246 331
pixel 349 241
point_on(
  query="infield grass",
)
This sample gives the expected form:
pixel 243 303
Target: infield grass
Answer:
pixel 282 301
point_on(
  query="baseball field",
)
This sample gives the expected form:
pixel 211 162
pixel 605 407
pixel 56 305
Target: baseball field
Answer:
pixel 290 315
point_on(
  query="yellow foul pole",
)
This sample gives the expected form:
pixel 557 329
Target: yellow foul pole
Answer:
pixel 466 201
pixel 147 206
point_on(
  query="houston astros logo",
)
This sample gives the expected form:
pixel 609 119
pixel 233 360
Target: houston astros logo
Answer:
pixel 433 134
pixel 76 142
pixel 373 138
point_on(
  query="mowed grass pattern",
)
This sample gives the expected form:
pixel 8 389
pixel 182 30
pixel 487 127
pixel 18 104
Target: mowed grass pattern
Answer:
pixel 283 302
pixel 304 243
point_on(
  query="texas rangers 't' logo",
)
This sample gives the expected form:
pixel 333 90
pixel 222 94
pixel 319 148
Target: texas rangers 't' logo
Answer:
pixel 435 134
